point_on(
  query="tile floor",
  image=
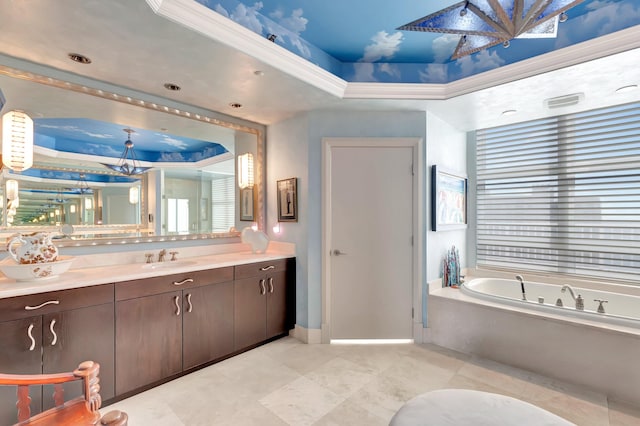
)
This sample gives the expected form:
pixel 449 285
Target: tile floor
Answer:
pixel 290 383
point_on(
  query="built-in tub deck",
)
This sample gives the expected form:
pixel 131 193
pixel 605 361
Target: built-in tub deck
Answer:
pixel 587 348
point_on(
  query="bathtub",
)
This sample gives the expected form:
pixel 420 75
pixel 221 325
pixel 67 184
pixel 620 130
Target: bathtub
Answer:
pixel 486 317
pixel 621 309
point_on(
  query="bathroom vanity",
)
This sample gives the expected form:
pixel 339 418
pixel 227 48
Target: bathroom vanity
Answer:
pixel 143 325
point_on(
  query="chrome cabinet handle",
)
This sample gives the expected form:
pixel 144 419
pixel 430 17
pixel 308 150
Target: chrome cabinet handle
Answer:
pixel 48 302
pixel 33 341
pixel 176 300
pixel 270 285
pixel 186 280
pixel 263 289
pixel 55 336
pixel 266 268
pixel 189 302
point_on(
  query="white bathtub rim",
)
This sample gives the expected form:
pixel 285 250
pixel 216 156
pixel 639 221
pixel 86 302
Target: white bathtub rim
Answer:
pixel 456 295
pixel 615 286
pixel 608 318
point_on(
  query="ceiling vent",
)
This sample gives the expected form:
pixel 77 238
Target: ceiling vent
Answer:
pixel 564 101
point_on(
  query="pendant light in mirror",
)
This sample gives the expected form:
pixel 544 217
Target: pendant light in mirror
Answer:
pixel 128 163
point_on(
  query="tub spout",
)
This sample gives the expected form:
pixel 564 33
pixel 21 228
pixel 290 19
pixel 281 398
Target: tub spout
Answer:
pixel 521 279
pixel 571 292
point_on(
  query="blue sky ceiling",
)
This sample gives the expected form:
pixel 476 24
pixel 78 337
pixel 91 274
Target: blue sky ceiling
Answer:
pixel 357 40
pixel 92 137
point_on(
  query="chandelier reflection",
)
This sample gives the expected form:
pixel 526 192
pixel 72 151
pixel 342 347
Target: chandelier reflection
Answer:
pixel 128 164
pixel 82 187
pixel 486 23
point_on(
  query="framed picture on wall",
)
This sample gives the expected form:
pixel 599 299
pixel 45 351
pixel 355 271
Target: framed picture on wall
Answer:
pixel 246 204
pixel 287 200
pixel 448 200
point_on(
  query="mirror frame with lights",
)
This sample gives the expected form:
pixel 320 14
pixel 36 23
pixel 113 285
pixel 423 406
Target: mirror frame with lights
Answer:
pixel 156 106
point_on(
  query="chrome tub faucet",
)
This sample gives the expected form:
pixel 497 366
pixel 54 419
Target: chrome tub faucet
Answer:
pixel 521 279
pixel 579 300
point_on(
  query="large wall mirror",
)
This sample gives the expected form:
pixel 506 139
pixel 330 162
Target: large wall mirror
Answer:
pixel 187 187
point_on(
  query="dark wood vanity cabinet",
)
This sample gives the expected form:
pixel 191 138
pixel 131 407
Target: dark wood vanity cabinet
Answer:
pixel 264 301
pixel 145 331
pixel 51 333
pixel 171 323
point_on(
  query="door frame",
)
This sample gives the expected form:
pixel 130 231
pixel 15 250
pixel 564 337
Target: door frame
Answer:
pixel 418 222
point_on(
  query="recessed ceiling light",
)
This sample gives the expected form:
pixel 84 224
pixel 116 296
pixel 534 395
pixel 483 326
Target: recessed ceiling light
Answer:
pixel 171 86
pixel 235 105
pixel 77 57
pixel 625 89
pixel 509 112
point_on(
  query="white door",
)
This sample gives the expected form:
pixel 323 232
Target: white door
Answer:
pixel 370 242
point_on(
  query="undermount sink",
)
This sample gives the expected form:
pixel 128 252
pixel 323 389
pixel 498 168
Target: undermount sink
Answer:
pixel 169 264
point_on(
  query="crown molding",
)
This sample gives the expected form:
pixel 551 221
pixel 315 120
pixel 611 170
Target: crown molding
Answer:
pixel 217 27
pixel 600 47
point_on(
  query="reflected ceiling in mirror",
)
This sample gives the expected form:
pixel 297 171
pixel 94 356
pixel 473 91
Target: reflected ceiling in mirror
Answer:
pixel 78 127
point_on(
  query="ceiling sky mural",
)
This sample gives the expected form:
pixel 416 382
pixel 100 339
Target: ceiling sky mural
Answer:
pixel 358 40
pixel 92 137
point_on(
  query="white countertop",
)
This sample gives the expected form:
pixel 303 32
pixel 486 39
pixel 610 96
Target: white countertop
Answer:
pixel 95 275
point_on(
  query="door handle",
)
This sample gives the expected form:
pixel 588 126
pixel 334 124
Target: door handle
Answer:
pixel 33 341
pixel 337 252
pixel 263 289
pixel 176 301
pixel 55 336
pixel 189 302
pixel 270 284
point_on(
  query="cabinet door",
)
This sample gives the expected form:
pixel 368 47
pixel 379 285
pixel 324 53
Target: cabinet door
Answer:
pixel 250 312
pixel 71 337
pixel 20 353
pixel 148 340
pixel 207 323
pixel 276 304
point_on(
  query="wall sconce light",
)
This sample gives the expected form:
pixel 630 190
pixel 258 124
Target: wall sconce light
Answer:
pixel 57 212
pixel 72 208
pixel 134 195
pixel 245 170
pixel 254 226
pixel 17 141
pixel 51 214
pixel 276 228
pixel 88 204
pixel 12 189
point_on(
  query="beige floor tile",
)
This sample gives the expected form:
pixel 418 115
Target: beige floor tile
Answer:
pixel 622 414
pixel 340 376
pixel 349 413
pixel 290 383
pixel 301 402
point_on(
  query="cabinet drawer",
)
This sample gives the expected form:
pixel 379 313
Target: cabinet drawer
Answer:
pixel 166 283
pixel 259 268
pixel 63 300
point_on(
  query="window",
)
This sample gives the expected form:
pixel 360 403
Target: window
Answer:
pixel 562 194
pixel 178 215
pixel 223 202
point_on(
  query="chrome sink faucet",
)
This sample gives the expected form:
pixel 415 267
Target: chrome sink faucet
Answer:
pixel 161 255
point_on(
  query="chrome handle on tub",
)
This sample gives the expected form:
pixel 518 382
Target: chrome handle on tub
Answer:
pixel 33 341
pixel 48 302
pixel 176 300
pixel 270 285
pixel 266 268
pixel 263 289
pixel 55 336
pixel 189 302
pixel 186 280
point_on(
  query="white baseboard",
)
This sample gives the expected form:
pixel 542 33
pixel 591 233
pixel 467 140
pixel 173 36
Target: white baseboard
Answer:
pixel 307 335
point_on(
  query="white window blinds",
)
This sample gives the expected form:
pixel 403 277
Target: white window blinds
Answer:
pixel 562 194
pixel 223 202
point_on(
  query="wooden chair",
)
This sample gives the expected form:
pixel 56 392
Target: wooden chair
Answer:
pixel 82 410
